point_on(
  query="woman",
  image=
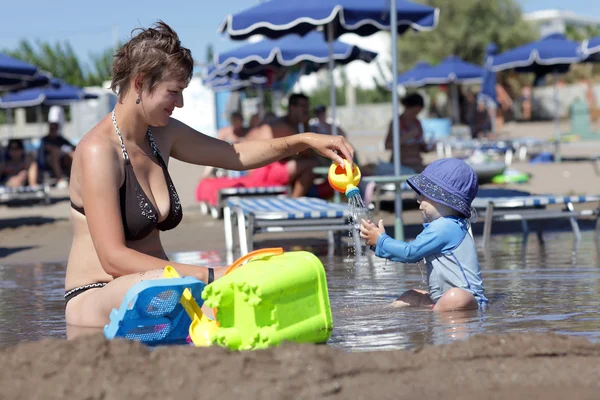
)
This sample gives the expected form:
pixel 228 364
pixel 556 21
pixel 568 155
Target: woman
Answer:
pixel 18 169
pixel 121 192
pixel 412 142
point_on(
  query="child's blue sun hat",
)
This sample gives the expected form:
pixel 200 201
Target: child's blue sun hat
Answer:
pixel 448 181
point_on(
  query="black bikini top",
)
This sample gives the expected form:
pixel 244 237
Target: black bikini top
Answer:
pixel 139 216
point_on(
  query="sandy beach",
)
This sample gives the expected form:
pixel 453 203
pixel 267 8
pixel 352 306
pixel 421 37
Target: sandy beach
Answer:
pixel 493 367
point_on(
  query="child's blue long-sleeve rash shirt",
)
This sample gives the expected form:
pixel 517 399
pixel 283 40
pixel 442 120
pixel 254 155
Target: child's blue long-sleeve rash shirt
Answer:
pixel 449 252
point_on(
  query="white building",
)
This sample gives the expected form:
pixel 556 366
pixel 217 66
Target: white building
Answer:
pixel 358 73
pixel 556 21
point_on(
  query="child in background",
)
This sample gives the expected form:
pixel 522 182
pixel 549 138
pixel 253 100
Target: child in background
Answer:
pixel 445 189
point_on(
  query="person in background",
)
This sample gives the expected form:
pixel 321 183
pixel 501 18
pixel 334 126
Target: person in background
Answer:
pixel 526 102
pixel 18 168
pixel 412 142
pixel 321 125
pixel 481 122
pixel 235 132
pixel 56 151
pixel 254 121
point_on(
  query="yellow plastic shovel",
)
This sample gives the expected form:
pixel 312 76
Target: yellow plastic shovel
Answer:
pixel 202 328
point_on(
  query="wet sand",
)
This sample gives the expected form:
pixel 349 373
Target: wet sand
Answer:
pixel 492 367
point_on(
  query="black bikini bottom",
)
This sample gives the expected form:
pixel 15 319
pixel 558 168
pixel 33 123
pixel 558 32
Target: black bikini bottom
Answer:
pixel 70 294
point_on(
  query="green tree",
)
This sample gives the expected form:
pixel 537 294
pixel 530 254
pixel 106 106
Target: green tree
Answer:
pixel 583 70
pixel 465 29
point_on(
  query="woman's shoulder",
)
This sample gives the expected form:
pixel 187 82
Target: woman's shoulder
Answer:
pixel 97 143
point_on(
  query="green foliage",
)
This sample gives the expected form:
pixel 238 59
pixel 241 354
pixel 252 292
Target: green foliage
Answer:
pixel 61 61
pixel 465 29
pixel 584 70
pixel 363 96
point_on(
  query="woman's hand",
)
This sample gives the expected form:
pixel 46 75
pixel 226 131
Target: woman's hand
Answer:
pixel 334 147
pixel 370 231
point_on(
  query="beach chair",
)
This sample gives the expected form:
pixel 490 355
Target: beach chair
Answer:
pixel 25 193
pixel 448 147
pixel 385 188
pixel 276 215
pixel 216 210
pixel 513 205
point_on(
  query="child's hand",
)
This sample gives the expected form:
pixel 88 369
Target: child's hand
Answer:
pixel 370 231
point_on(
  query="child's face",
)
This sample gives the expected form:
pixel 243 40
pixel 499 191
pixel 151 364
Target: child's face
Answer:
pixel 429 208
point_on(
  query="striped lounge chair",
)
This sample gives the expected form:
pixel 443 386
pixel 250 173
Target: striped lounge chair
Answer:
pixel 23 193
pixel 277 214
pixel 216 210
pixel 514 205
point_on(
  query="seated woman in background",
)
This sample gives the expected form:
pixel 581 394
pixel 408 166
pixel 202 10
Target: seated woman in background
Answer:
pixel 412 142
pixel 18 168
pixel 235 132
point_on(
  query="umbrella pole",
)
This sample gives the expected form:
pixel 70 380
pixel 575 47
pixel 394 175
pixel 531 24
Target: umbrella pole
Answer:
pixel 556 118
pixel 9 121
pixel 332 101
pixel 455 105
pixel 399 228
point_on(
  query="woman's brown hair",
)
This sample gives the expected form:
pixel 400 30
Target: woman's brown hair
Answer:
pixel 156 53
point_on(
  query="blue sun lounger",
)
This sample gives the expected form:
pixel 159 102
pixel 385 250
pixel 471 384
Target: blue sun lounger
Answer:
pixel 22 193
pixel 515 205
pixel 152 314
pixel 276 215
pixel 262 191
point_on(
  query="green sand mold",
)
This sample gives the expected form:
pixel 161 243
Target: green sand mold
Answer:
pixel 270 300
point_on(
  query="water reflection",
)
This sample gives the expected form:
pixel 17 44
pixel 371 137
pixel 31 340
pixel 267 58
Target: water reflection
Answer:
pixel 537 288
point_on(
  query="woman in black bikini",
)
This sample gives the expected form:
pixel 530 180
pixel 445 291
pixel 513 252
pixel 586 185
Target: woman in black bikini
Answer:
pixel 121 193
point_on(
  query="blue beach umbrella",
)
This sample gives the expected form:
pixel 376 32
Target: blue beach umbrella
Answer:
pixel 591 47
pixel 15 73
pixel 58 93
pixel 452 70
pixel 488 87
pixel 290 50
pixel 232 83
pixel 413 76
pixel 277 18
pixel 551 54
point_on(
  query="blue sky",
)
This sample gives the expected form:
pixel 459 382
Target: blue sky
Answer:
pixel 90 26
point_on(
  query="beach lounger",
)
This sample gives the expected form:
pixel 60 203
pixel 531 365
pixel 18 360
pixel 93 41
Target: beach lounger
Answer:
pixel 276 215
pixel 24 193
pixel 216 210
pixel 447 147
pixel 513 205
pixel 385 188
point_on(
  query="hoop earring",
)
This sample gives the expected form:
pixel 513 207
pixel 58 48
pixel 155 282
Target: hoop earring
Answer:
pixel 137 101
